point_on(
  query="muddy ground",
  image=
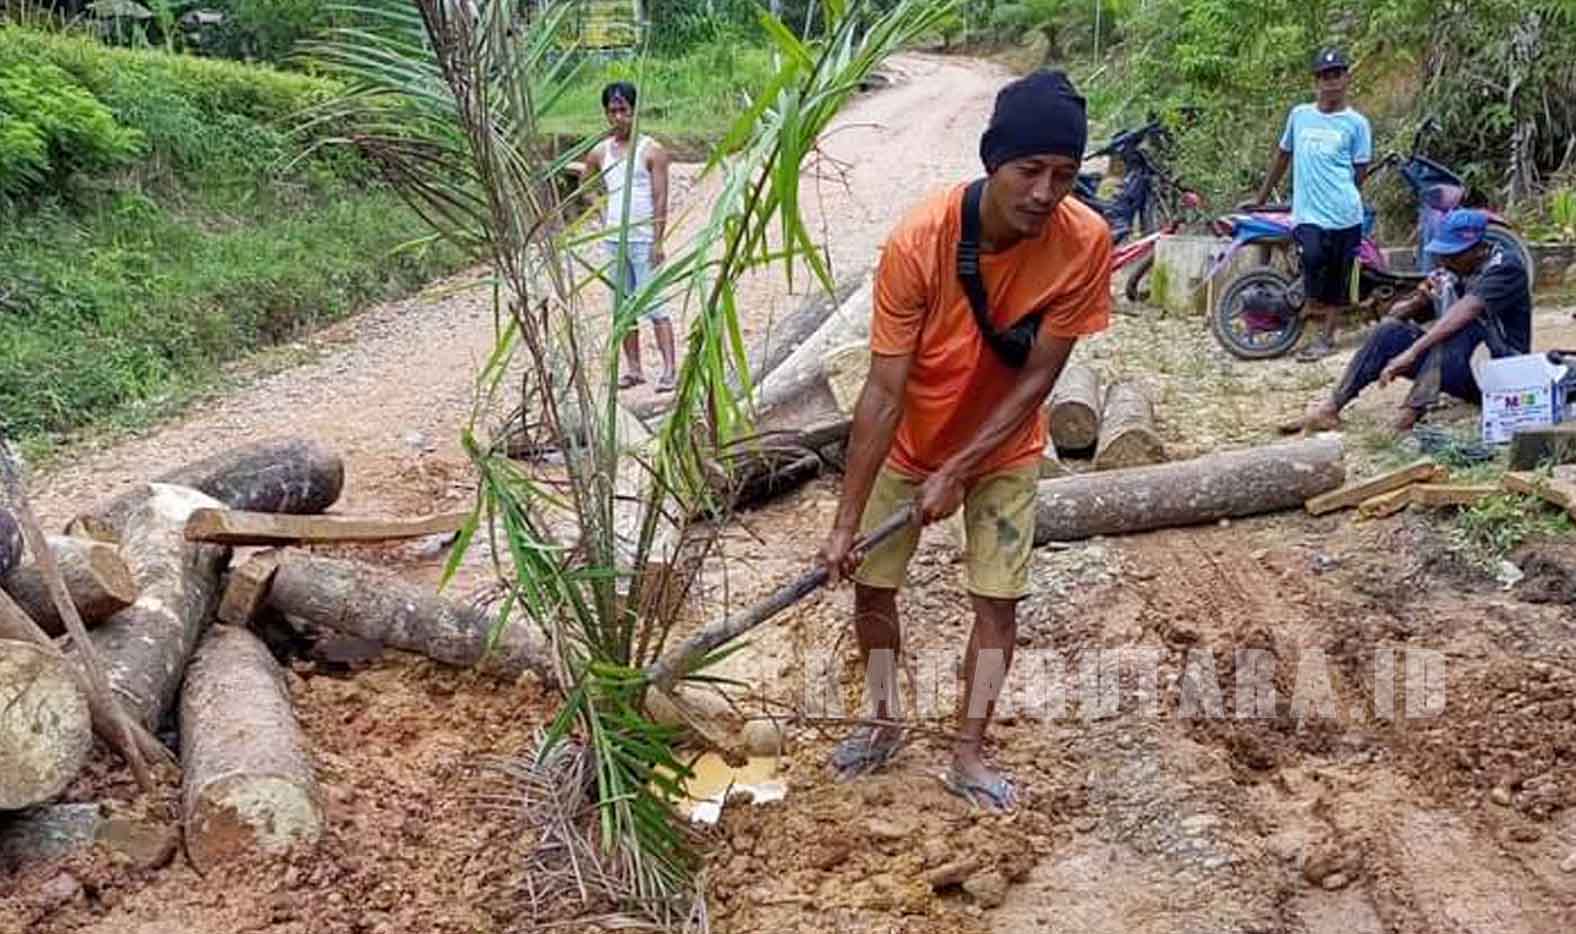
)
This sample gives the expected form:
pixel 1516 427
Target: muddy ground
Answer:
pixel 1320 816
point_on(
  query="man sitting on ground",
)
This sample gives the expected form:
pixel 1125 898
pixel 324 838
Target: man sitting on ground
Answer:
pixel 1494 311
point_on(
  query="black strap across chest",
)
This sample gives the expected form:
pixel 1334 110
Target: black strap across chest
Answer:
pixel 1013 344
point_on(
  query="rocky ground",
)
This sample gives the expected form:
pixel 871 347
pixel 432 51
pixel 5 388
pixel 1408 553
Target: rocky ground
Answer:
pixel 1318 816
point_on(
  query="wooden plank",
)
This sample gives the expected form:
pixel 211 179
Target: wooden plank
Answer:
pixel 1561 493
pixel 1386 504
pixel 1353 494
pixel 237 527
pixel 247 588
pixel 1437 495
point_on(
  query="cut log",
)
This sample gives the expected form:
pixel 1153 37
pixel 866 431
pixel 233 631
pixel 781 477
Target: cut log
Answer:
pixel 797 327
pixel 288 476
pixel 46 730
pixel 40 834
pixel 1386 504
pixel 248 790
pixel 1352 494
pixel 238 527
pixel 1530 448
pixel 367 602
pixel 846 368
pixel 246 589
pixel 1439 495
pixel 1075 409
pixel 146 646
pixel 799 380
pixel 758 469
pixel 1556 491
pixel 1127 430
pixel 1218 486
pixel 96 576
pixel 10 543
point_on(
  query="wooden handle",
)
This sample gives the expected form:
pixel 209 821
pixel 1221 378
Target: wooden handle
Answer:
pixel 668 669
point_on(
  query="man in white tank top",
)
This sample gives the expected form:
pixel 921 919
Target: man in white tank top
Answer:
pixel 642 229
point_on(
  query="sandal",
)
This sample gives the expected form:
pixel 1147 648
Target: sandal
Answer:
pixel 1316 351
pixel 998 796
pixel 863 752
pixel 630 379
pixel 665 383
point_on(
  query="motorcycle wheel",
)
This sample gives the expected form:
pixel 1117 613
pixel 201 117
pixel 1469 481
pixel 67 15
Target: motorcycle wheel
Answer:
pixel 1135 289
pixel 1235 335
pixel 1509 240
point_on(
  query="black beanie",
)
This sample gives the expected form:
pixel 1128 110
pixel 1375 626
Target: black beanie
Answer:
pixel 1037 115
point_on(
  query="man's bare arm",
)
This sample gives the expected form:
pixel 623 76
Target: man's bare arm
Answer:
pixel 876 416
pixel 1028 394
pixel 1462 313
pixel 658 165
pixel 1278 165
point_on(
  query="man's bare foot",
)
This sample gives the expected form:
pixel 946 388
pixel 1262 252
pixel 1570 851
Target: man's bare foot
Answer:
pixel 1320 416
pixel 970 778
pixel 865 750
pixel 1404 421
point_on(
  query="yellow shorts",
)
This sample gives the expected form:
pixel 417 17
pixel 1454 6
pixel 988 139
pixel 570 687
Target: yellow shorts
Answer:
pixel 998 520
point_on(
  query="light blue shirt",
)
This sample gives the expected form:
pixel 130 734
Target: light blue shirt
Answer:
pixel 1325 150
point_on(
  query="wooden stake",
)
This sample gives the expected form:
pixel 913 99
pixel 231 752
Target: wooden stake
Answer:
pixel 239 527
pixel 1438 495
pixel 1386 504
pixel 1561 493
pixel 1354 493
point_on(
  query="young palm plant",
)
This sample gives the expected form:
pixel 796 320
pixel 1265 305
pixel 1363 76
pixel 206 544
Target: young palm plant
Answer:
pixel 447 97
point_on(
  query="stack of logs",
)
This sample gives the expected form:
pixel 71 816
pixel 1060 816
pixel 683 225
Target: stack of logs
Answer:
pixel 171 621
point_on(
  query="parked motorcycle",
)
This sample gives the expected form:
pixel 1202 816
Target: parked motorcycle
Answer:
pixel 1150 203
pixel 1259 313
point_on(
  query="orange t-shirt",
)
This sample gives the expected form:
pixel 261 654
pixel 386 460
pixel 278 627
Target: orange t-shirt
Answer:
pixel 920 308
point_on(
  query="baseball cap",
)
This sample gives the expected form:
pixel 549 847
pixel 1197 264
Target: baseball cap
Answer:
pixel 1461 230
pixel 1329 58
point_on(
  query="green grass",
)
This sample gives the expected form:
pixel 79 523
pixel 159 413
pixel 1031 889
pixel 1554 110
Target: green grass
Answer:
pixel 690 98
pixel 131 305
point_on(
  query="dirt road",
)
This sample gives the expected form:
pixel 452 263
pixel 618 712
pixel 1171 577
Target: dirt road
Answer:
pixel 1138 818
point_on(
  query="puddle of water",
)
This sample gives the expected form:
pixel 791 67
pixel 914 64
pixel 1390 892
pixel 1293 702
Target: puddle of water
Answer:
pixel 715 780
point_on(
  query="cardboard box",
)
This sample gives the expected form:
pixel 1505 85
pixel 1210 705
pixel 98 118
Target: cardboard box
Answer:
pixel 1526 391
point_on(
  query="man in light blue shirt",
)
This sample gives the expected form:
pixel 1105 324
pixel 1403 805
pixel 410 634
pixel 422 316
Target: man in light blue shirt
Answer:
pixel 1329 147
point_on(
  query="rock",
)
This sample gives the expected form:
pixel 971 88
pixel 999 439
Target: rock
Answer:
pixel 1500 796
pixel 1525 833
pixel 763 738
pixel 1321 862
pixel 881 829
pixel 1570 863
pixel 1335 881
pixel 1086 824
pixel 143 844
pixel 988 889
pixel 61 890
pixel 953 873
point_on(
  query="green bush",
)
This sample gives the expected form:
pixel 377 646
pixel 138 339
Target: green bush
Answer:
pixel 50 127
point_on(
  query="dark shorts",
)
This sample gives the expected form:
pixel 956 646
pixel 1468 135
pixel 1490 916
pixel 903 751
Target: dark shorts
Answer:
pixel 1327 262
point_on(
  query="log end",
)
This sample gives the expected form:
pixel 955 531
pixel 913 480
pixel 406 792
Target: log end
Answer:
pixel 239 817
pixel 1132 448
pixel 46 730
pixel 1075 427
pixel 113 576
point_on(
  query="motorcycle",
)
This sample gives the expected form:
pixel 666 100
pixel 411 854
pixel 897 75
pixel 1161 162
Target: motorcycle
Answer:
pixel 1150 202
pixel 1259 314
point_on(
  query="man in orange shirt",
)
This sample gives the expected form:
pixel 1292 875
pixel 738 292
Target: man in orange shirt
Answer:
pixel 951 410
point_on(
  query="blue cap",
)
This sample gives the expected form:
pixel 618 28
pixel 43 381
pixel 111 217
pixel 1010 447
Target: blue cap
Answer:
pixel 1461 230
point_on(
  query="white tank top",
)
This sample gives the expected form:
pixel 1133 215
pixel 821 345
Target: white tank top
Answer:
pixel 640 207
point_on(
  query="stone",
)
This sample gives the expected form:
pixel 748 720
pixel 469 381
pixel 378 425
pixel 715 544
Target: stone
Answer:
pixel 61 890
pixel 1525 833
pixel 1570 863
pixel 953 873
pixel 143 844
pixel 1321 862
pixel 881 829
pixel 1500 796
pixel 763 738
pixel 988 889
pixel 1335 881
pixel 1086 824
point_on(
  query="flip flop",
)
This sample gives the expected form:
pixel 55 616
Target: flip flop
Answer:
pixel 630 379
pixel 862 753
pixel 665 384
pixel 998 796
pixel 1315 351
